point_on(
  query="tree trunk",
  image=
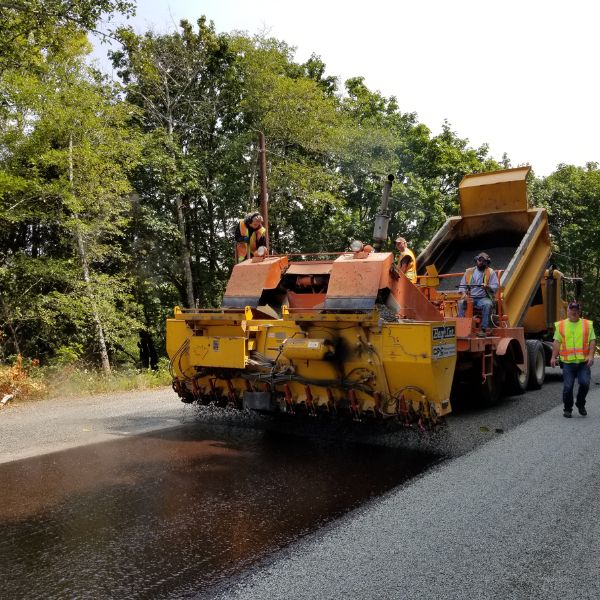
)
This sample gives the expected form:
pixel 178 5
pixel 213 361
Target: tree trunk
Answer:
pixel 183 241
pixel 185 254
pixel 12 330
pixel 86 275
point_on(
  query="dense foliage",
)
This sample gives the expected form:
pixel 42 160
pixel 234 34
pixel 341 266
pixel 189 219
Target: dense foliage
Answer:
pixel 116 201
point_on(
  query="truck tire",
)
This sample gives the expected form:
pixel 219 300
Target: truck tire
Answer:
pixel 515 382
pixel 536 360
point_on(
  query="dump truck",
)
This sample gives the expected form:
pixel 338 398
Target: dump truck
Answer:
pixel 347 334
pixel 495 218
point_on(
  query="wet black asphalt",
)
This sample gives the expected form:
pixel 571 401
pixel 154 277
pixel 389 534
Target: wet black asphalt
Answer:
pixel 172 513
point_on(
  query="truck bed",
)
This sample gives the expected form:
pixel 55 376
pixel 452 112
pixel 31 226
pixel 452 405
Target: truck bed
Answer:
pixel 460 256
pixel 494 218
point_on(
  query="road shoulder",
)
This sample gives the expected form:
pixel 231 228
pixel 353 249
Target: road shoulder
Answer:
pixel 35 428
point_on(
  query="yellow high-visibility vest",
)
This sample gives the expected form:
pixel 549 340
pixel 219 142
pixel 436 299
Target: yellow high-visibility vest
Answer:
pixel 251 245
pixel 486 275
pixel 411 272
pixel 574 342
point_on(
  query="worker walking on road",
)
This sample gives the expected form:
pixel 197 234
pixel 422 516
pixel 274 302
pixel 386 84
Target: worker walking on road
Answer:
pixel 250 235
pixel 482 283
pixel 406 260
pixel 575 343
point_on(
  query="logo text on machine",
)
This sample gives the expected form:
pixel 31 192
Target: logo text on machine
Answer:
pixel 443 332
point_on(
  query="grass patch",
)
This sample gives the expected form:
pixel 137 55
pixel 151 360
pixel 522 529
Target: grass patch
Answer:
pixel 31 382
pixel 85 382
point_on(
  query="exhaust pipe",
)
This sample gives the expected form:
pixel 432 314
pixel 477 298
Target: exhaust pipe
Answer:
pixel 382 220
pixel 551 315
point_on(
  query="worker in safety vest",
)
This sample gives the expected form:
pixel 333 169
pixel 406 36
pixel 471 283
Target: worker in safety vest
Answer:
pixel 250 235
pixel 481 281
pixel 575 344
pixel 406 260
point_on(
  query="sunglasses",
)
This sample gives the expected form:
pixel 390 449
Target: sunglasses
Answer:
pixel 481 258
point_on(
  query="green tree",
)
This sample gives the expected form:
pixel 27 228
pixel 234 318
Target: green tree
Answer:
pixel 383 140
pixel 183 82
pixel 572 197
pixel 66 150
pixel 296 108
pixel 30 28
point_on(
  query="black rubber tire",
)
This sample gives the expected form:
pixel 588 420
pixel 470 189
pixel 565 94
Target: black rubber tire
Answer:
pixel 188 398
pixel 536 361
pixel 515 382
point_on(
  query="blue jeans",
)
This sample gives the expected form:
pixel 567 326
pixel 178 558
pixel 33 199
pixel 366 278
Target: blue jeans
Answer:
pixel 485 304
pixel 571 371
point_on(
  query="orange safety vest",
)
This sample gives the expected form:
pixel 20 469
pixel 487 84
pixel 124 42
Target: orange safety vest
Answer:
pixel 578 352
pixel 251 245
pixel 486 275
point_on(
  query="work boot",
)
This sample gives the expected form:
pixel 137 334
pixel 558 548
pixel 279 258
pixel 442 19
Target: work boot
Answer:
pixel 567 413
pixel 582 411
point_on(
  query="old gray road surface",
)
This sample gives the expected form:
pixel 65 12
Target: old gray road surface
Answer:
pixel 515 518
pixel 35 428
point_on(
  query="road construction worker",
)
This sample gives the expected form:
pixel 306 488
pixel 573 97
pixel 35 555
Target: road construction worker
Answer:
pixel 406 260
pixel 574 344
pixel 481 282
pixel 250 235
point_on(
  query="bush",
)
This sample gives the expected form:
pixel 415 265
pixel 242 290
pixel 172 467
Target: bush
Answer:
pixel 22 380
pixel 66 355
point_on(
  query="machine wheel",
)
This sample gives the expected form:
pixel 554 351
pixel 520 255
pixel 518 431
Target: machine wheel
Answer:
pixel 516 381
pixel 536 360
pixel 188 398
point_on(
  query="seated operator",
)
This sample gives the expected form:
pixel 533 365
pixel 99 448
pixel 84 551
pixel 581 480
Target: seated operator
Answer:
pixel 482 282
pixel 406 260
pixel 250 234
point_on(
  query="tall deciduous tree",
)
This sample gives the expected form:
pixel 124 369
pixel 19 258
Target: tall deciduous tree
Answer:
pixel 184 85
pixel 64 191
pixel 572 196
pixel 32 27
pixel 296 108
pixel 383 140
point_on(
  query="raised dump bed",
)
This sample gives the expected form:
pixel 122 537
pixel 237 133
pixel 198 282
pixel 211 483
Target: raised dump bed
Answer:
pixel 496 219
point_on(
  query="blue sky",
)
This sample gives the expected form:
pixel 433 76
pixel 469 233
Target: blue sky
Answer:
pixel 519 75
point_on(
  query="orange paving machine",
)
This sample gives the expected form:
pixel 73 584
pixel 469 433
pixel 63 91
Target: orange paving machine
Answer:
pixel 351 335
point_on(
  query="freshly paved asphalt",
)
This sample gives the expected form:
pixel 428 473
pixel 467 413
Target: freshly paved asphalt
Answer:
pixel 515 518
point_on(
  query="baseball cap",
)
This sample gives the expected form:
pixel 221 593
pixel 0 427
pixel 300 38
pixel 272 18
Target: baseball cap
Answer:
pixel 574 305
